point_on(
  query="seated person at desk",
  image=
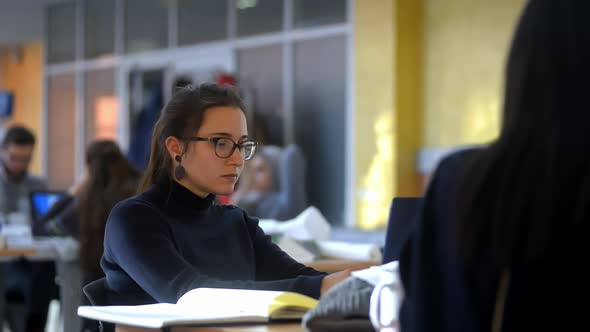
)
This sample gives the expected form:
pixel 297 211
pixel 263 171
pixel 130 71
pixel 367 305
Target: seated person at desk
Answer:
pixel 31 283
pixel 172 237
pixel 274 186
pixel 107 179
pixel 502 240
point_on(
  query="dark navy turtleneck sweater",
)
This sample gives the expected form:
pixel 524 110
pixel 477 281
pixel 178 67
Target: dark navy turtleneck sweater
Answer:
pixel 166 241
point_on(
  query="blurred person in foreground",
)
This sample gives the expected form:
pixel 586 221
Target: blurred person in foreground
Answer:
pixel 501 243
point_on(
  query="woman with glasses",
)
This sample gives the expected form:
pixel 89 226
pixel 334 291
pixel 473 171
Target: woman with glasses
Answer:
pixel 173 237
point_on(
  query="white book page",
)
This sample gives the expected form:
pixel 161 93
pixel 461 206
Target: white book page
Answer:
pixel 229 301
pixel 162 314
pixel 150 315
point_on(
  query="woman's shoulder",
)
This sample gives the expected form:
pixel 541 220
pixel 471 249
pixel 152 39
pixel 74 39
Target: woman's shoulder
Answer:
pixel 451 166
pixel 134 217
pixel 230 210
pixel 140 207
pixel 236 214
pixel 456 158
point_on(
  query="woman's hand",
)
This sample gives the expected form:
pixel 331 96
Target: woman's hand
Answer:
pixel 332 280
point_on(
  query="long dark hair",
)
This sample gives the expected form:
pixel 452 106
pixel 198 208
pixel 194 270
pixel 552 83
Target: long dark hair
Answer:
pixel 522 193
pixel 180 118
pixel 111 178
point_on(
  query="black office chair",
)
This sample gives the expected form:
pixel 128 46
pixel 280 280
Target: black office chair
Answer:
pixel 96 293
pixel 402 215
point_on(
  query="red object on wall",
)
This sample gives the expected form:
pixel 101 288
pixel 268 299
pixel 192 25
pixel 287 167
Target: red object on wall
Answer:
pixel 226 79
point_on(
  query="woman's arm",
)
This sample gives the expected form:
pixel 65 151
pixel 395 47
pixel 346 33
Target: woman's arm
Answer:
pixel 273 263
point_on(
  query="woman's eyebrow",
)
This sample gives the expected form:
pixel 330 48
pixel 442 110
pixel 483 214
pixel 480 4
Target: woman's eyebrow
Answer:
pixel 228 135
pixel 220 134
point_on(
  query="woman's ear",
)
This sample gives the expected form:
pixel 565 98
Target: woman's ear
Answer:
pixel 174 147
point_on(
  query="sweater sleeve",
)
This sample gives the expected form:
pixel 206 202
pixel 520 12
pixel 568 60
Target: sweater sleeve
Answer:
pixel 140 242
pixel 272 263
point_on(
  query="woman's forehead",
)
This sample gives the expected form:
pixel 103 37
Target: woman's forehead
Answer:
pixel 227 120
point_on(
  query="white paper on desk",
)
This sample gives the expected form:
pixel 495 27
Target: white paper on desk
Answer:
pixel 269 226
pixel 308 225
pixel 295 250
pixel 350 251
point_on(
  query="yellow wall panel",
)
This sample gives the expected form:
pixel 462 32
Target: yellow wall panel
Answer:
pixel 409 77
pixel 24 77
pixel 466 43
pixel 374 38
pixel 388 93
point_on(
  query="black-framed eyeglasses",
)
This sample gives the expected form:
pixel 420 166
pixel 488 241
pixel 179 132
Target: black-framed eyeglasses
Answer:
pixel 225 147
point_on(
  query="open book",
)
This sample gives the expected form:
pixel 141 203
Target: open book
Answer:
pixel 207 306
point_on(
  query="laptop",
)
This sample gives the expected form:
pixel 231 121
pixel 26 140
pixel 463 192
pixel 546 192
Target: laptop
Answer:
pixel 41 203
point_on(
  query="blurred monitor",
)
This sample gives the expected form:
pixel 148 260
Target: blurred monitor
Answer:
pixel 42 201
pixel 6 102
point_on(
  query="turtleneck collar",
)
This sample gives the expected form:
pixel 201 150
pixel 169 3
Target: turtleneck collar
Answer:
pixel 176 194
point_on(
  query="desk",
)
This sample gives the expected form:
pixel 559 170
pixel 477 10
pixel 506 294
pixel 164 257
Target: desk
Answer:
pixel 7 255
pixel 327 265
pixel 11 253
pixel 279 327
pixel 335 265
pixel 67 270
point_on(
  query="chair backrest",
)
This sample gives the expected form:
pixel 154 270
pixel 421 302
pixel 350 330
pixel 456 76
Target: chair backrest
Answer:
pixel 293 195
pixel 96 292
pixel 402 213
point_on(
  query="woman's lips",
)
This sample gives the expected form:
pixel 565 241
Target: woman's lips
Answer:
pixel 230 177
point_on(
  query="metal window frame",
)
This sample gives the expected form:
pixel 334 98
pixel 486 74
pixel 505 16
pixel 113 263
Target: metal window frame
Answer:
pixel 123 63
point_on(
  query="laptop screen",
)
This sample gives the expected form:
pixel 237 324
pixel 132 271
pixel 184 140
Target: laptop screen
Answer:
pixel 43 201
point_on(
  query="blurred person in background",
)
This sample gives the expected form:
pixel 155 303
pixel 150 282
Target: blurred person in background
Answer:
pixel 107 179
pixel 16 154
pixel 501 243
pixel 26 282
pixel 274 184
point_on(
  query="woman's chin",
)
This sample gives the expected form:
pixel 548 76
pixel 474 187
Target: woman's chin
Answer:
pixel 225 190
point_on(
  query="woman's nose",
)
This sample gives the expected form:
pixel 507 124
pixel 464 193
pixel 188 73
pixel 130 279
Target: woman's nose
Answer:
pixel 236 158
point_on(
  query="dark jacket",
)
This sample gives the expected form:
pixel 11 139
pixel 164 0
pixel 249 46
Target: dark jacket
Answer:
pixel 443 294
